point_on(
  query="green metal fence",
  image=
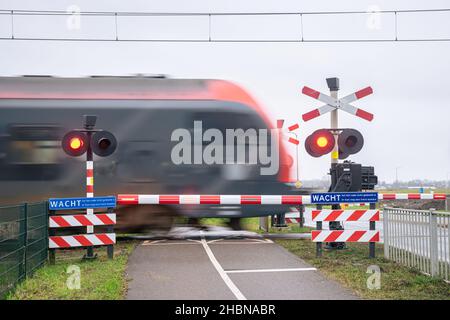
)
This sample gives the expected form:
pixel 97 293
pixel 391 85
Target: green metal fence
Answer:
pixel 23 242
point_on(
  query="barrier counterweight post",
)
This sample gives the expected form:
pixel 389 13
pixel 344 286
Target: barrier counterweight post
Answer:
pixel 372 227
pixel 319 227
pixel 301 211
pixel 89 192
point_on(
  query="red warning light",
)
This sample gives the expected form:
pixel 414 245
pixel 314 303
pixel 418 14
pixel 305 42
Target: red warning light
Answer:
pixel 320 142
pixel 76 143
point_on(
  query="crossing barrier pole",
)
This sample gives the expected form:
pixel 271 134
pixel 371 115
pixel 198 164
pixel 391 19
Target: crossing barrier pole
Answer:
pixel 372 227
pixel 110 229
pixel 51 232
pixel 318 227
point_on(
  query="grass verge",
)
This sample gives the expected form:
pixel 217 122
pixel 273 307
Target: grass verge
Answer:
pixel 101 279
pixel 349 268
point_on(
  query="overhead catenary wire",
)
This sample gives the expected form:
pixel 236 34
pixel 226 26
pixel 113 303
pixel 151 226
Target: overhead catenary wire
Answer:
pixel 210 37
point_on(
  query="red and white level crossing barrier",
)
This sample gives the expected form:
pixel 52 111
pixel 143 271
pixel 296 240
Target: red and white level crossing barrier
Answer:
pixel 127 199
pixel 82 240
pixel 411 196
pixel 345 215
pixel 345 236
pixel 80 220
pixel 292 220
pixel 134 199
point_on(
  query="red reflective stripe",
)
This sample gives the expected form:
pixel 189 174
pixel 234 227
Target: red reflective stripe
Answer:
pixel 364 114
pixel 356 235
pixel 105 219
pixel 250 199
pixel 314 234
pixel 104 238
pixel 310 92
pixel 291 199
pixel 356 215
pixel 293 127
pixel 83 240
pixel 294 141
pixel 376 216
pixel 333 235
pixel 60 221
pixel 209 199
pixel 127 199
pixel 83 220
pixel 89 173
pixel 375 238
pixel 363 92
pixel 440 196
pixel 311 115
pixel 90 189
pixel 414 196
pixel 333 215
pixel 388 196
pixel 315 213
pixel 169 199
pixel 60 242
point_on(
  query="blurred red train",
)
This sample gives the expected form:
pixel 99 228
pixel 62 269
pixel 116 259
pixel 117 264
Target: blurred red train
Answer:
pixel 142 112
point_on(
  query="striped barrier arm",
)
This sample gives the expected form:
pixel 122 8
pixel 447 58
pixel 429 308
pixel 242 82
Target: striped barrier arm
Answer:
pixel 81 240
pixel 345 215
pixel 134 199
pixel 411 196
pixel 81 220
pixel 345 236
pixel 128 199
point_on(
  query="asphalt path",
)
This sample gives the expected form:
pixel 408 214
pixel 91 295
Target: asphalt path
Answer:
pixel 205 268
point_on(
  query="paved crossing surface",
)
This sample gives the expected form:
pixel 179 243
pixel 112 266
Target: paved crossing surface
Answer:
pixel 222 268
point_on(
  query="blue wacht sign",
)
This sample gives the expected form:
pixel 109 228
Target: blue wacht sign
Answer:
pixel 81 203
pixel 344 197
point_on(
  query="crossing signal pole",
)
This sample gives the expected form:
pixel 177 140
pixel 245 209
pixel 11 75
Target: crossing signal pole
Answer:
pixel 340 142
pixel 89 140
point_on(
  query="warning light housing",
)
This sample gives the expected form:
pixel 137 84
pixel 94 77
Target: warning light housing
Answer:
pixel 103 143
pixel 320 142
pixel 75 143
pixel 350 141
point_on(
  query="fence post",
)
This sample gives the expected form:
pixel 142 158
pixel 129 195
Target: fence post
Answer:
pixel 23 232
pixel 386 232
pixel 318 227
pixel 433 243
pixel 372 227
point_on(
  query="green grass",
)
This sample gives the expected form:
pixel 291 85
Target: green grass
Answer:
pixel 349 267
pixel 101 279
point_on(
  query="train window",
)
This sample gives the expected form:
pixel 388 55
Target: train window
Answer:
pixel 31 152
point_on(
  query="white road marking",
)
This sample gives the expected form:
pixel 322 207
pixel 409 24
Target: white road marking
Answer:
pixel 271 270
pixel 237 293
pixel 246 241
pixel 170 244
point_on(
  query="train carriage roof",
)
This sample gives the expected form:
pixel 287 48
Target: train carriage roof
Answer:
pixel 121 88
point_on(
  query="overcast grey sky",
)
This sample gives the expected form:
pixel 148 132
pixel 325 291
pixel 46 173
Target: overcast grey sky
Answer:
pixel 411 99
